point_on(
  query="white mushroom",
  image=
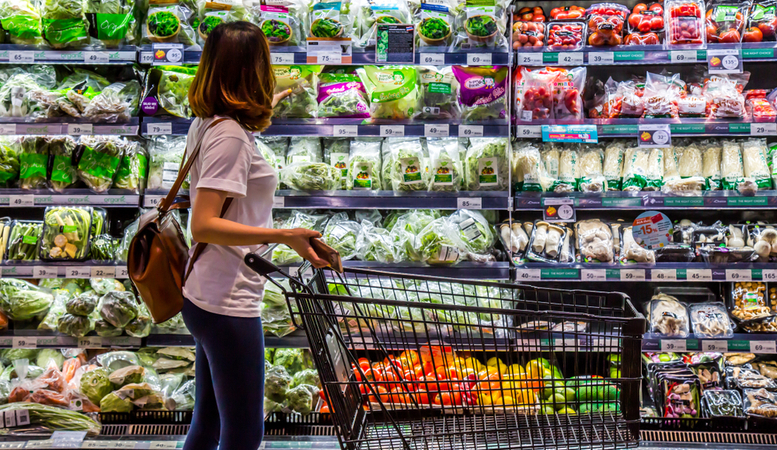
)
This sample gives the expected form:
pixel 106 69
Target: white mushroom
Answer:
pixel 540 236
pixel 553 240
pixel 762 249
pixel 520 236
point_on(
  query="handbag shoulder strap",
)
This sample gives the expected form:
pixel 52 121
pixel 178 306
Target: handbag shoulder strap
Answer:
pixel 167 202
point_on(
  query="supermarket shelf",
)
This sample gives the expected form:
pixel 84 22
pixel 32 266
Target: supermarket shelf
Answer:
pixel 647 54
pixel 70 126
pixel 739 342
pixel 617 200
pixel 299 55
pixel 23 54
pixel 297 339
pixel 629 128
pixel 167 441
pixel 56 269
pixel 661 272
pixel 343 128
pixel 391 200
pixel 15 198
pixel 463 270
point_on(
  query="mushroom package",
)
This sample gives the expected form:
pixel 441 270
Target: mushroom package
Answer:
pixel 595 241
pixel 546 242
pixel 668 317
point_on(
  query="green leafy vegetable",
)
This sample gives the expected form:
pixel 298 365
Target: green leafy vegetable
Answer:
pixel 50 418
pixel 326 28
pixel 33 161
pixel 276 31
pixel 66 233
pixel 481 26
pixel 63 173
pixel 21 301
pixel 99 162
pixel 76 326
pixel 434 28
pixel 82 304
pixel 163 24
pixel 118 308
pixel 314 176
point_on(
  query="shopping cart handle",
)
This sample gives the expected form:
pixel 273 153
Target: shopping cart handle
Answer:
pixel 260 265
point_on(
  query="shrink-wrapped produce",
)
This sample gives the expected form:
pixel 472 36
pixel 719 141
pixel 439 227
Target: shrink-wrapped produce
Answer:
pixel 654 175
pixel 590 175
pixel 732 172
pixel 711 165
pixel 568 169
pixel 613 165
pixel 754 161
pixel 527 167
pixel 670 165
pixel 635 169
pixel 689 162
pixel 550 162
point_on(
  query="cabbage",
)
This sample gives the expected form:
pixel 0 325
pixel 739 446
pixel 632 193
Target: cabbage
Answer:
pixel 439 243
pixel 48 356
pixel 96 385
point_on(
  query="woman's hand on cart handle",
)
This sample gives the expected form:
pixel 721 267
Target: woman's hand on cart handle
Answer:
pixel 299 241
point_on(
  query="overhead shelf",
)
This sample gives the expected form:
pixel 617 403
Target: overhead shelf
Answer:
pixel 30 54
pixel 739 342
pixel 618 200
pixel 629 128
pixel 17 198
pixel 344 128
pixel 69 126
pixel 660 272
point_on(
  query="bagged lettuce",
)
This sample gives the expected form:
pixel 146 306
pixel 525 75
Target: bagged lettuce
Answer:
pixel 474 231
pixel 62 172
pixel 303 81
pixel 434 23
pixel 407 164
pixel 481 24
pixel 342 95
pixel 33 162
pixel 304 149
pixel 21 20
pixel 482 92
pixel 439 91
pixel 284 23
pixel 133 168
pixel 336 153
pixel 341 234
pixel 393 91
pixel 98 162
pixel 375 244
pixel 167 91
pixel 365 165
pixel 169 21
pixel 445 172
pixel 310 176
pixel 64 23
pixel 331 20
pixel 111 22
pixel 486 164
pixel 439 243
pixel 215 12
pixel 282 254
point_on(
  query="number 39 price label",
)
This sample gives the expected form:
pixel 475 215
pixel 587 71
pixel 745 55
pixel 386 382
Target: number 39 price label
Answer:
pixel 652 230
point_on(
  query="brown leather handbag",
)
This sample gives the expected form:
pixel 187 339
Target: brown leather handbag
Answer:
pixel 158 254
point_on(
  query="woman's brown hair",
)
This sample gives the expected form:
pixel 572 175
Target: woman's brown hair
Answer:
pixel 235 77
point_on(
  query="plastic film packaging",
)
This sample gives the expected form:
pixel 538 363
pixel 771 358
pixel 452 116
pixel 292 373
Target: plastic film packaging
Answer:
pixel 613 164
pixel 731 165
pixel 303 82
pixel 439 91
pixel 169 21
pixel 655 170
pixel 591 178
pixel 710 319
pixel 482 92
pixel 595 241
pixel 711 154
pixel 546 242
pixel 668 317
pixel 304 149
pixel 369 13
pixel 445 171
pixel 754 159
pixel 393 91
pixel 365 165
pixel 568 170
pixel 407 164
pixel 689 162
pixel 342 95
pixel 486 164
pixel 631 252
pixel 527 167
pixel 331 20
pixel 283 22
pixel 635 168
pixel 439 243
pixel 670 165
pixel 434 23
pixel 481 24
pixel 22 21
pixel 550 154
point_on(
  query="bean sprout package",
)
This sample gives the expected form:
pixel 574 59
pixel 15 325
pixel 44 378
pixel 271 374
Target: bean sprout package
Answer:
pixel 392 90
pixel 342 95
pixel 283 22
pixel 303 82
pixel 482 92
pixel 372 12
pixel 481 23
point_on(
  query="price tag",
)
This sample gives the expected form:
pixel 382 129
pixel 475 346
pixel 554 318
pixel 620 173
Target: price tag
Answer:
pixel 392 130
pixel 90 342
pixel 167 54
pixel 78 129
pixel 663 274
pixel 96 57
pixel 433 59
pixel 19 444
pixel 560 209
pixel 24 342
pixel 103 272
pixel 21 201
pixel 152 201
pixel 470 130
pixel 163 444
pixel 329 58
pixel 530 59
pixel 155 129
pixel 570 59
pixel 763 347
pixel 282 58
pixel 478 59
pixel 528 132
pixel 78 272
pixel 569 344
pixel 632 274
pixel 121 272
pixel 738 275
pixel 7 129
pixel 654 136
pixel 698 274
pixel 593 275
pixel 436 130
pixel 673 345
pixel 524 275
pixel 67 439
pixel 41 443
pixel 146 57
pixel 726 60
pixel 345 130
pixel 44 272
pixel 763 129
pixel 682 56
pixel 124 444
pixel 279 202
pixel 714 346
pixel 469 203
pixel 769 275
pixel 98 444
pixel 21 57
pixel 601 58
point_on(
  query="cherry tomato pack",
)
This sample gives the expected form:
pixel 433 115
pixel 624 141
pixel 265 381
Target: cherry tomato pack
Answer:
pixel 684 19
pixel 550 93
pixel 565 35
pixel 605 24
pixel 758 106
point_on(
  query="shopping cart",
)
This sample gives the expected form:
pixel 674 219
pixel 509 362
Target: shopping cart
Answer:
pixel 416 362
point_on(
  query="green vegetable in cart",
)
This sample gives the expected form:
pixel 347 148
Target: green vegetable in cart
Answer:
pixel 276 382
pixel 118 308
pixel 44 418
pixel 21 300
pixel 114 403
pixel 33 162
pixel 99 162
pixel 21 20
pixel 82 304
pixel 9 163
pixel 66 232
pixel 104 329
pixel 103 248
pixel 64 23
pixel 23 241
pixel 133 168
pixel 76 326
pixel 62 172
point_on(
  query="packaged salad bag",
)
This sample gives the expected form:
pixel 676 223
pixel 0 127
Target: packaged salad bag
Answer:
pixel 169 21
pixel 303 82
pixel 330 20
pixel 486 165
pixel 22 21
pixel 434 23
pixel 342 95
pixel 439 93
pixel 372 12
pixel 214 13
pixel 111 22
pixel 481 24
pixel 64 23
pixel 167 91
pixel 482 92
pixel 393 91
pixel 365 164
pixel 283 22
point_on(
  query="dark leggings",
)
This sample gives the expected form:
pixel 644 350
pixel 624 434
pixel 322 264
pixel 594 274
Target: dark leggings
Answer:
pixel 229 399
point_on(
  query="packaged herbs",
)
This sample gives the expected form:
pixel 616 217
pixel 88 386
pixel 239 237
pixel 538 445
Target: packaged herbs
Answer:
pixel 167 91
pixel 284 23
pixel 434 23
pixel 214 13
pixel 62 173
pixel 64 23
pixel 481 24
pixel 331 20
pixel 66 233
pixel 98 162
pixel 103 248
pixel 23 240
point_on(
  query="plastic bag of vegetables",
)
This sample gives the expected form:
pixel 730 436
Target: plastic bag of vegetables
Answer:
pixel 62 173
pixel 375 244
pixel 167 91
pixel 103 248
pixel 439 243
pixel 474 231
pixel 340 234
pixel 303 82
pixel 76 326
pixel 304 149
pixel 284 25
pixel 98 162
pixel 214 14
pixel 15 93
pixel 123 249
pixel 434 23
pixel 111 22
pixel 118 308
pixel 64 23
pixel 444 164
pixel 21 20
pixel 439 90
pixel 82 304
pixel 66 233
pixel 310 176
pixel 33 161
pixel 9 162
pixel 56 310
pixel 166 154
pixel 23 240
pixel 365 164
pixel 481 23
pixel 98 221
pixel 392 90
pixel 21 300
pixel 133 168
pixel 336 153
pixel 284 255
pixel 140 326
pixel 168 21
pixel 116 103
pixel 48 419
pixel 331 20
pixel 407 164
pixel 486 166
pixel 482 92
pixel 342 95
pixel 369 13
pixel 276 318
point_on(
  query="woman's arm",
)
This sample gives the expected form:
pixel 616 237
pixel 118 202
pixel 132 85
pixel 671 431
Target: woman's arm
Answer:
pixel 208 227
pixel 280 96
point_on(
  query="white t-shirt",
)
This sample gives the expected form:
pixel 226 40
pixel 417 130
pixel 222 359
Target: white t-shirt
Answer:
pixel 229 161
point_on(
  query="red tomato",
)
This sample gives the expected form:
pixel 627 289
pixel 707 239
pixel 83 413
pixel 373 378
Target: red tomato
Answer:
pixel 450 398
pixel 644 26
pixel 399 396
pixel 421 397
pixel 634 20
pixel 429 383
pixel 527 17
pixel 753 34
pixel 369 375
pixel 555 12
pixel 390 380
pixel 538 10
pixel 656 23
pixel 657 8
pixel 639 7
pixel 436 400
pixel 364 363
pixel 730 36
pixel 538 18
pixel 324 409
pixel 381 391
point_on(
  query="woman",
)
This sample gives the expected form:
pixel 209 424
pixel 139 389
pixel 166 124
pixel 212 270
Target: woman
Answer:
pixel 234 81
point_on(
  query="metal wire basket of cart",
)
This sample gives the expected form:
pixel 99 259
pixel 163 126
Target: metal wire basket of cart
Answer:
pixel 415 362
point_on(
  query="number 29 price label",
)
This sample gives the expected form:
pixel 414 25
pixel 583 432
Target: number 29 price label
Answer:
pixel 652 230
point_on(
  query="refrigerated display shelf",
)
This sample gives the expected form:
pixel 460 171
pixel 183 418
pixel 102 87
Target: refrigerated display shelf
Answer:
pixel 64 269
pixel 17 198
pixel 297 339
pixel 175 126
pixel 319 441
pixel 69 126
pixel 618 200
pixel 499 270
pixel 663 272
pixel 24 54
pixel 629 128
pixel 740 342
